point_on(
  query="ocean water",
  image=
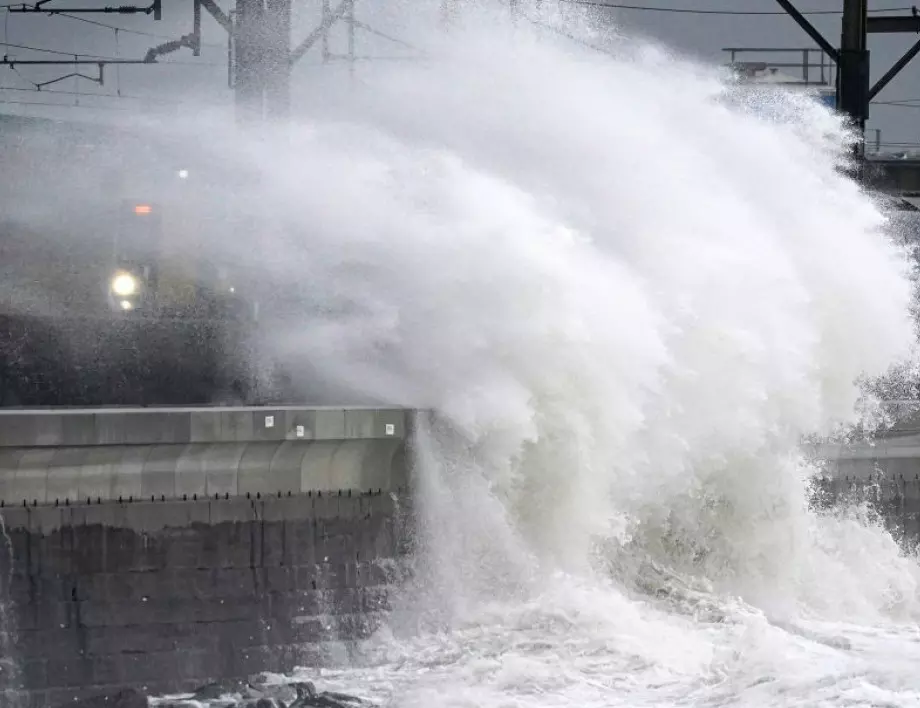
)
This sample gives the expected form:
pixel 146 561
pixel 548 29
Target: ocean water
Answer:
pixel 628 290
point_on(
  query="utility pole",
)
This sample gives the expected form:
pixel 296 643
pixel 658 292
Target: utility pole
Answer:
pixel 260 55
pixel 853 68
pixel 854 91
pixel 262 58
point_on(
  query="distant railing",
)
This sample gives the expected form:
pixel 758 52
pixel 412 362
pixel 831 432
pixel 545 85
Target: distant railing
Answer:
pixel 807 67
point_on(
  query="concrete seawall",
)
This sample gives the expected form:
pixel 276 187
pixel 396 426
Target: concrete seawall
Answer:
pixel 170 548
pixel 884 472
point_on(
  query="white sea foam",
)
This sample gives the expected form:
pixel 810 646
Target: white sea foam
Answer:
pixel 627 290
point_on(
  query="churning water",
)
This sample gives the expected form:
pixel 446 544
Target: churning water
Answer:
pixel 628 290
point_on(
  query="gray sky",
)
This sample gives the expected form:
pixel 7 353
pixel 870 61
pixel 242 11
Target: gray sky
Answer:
pixel 172 86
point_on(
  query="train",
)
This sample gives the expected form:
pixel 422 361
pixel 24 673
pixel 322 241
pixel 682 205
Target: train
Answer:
pixel 110 293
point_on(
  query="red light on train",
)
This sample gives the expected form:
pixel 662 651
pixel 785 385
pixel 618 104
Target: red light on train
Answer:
pixel 142 209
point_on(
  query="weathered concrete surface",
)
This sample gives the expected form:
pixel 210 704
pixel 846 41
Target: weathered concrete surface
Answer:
pixel 892 453
pixel 885 472
pixel 149 426
pixel 52 457
pixel 211 547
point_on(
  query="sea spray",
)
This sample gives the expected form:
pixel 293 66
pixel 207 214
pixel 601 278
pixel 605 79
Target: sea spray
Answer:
pixel 625 299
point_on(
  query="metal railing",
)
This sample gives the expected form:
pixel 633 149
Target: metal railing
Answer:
pixel 806 67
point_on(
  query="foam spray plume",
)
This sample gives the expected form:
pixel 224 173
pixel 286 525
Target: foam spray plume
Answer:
pixel 627 297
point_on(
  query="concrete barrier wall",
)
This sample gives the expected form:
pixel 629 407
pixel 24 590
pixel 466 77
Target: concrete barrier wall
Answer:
pixel 33 476
pixel 180 550
pixel 150 426
pixel 884 473
pixel 895 501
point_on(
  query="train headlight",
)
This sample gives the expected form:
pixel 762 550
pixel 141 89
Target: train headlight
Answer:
pixel 124 285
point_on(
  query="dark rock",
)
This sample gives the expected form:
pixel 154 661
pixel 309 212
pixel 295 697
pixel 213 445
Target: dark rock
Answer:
pixel 213 691
pixel 308 696
pixel 127 698
pixel 281 693
pixel 262 703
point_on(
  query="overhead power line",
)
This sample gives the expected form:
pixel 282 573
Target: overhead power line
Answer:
pixel 104 25
pixel 695 11
pixel 58 52
pixel 78 55
pixel 117 97
pixel 108 107
pixel 62 92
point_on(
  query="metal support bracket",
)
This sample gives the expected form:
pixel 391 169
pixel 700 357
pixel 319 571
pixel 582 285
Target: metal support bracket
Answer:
pixel 809 29
pixel 894 70
pixel 155 9
pixel 894 24
pixel 190 41
pixel 100 64
pixel 214 11
pixel 890 25
pixel 317 34
pixel 193 40
pixel 100 79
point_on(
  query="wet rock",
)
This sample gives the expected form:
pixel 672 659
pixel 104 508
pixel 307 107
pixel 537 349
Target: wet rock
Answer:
pixel 209 692
pixel 213 691
pixel 127 698
pixel 264 703
pixel 343 698
pixel 267 695
pixel 308 696
pixel 280 693
pixel 226 694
